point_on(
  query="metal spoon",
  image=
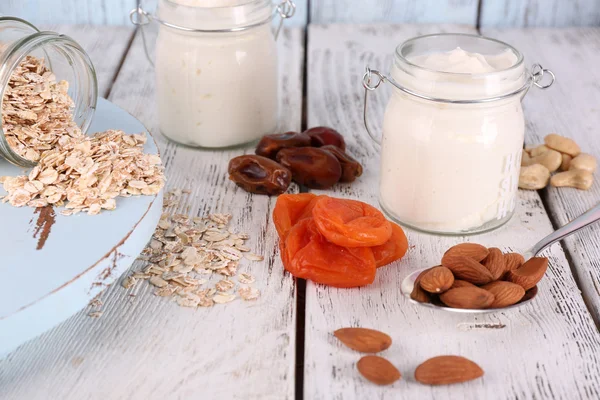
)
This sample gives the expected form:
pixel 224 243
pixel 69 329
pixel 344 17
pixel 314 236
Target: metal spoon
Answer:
pixel 577 224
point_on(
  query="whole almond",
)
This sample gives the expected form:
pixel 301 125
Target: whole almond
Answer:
pixel 474 251
pixel 513 261
pixel 437 280
pixel 378 370
pixel 418 294
pixel 469 270
pixel 530 273
pixel 445 370
pixel 505 293
pixel 460 283
pixel 364 340
pixel 494 262
pixel 467 297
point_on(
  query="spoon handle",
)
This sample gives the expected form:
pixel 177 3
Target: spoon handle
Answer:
pixel 585 219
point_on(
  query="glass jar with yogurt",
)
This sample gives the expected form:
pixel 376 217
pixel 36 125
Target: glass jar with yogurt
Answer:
pixel 453 132
pixel 64 57
pixel 216 69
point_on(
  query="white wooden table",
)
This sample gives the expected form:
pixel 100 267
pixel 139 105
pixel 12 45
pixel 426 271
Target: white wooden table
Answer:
pixel 282 347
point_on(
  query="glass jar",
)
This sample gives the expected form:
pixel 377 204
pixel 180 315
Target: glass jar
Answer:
pixel 63 56
pixel 216 70
pixel 453 132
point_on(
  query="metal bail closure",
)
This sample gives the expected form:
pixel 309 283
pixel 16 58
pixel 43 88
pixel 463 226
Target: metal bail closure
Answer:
pixel 286 9
pixel 537 74
pixel 370 86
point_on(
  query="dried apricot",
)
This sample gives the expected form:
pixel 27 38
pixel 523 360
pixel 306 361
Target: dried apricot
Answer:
pixel 288 210
pixel 394 249
pixel 310 256
pixel 351 223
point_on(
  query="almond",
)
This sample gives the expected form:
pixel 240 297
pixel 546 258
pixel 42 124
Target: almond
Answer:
pixel 444 370
pixel 505 293
pixel 468 269
pixel 494 262
pixel 437 280
pixel 530 273
pixel 474 251
pixel 459 283
pixel 467 297
pixel 418 294
pixel 513 261
pixel 364 340
pixel 378 370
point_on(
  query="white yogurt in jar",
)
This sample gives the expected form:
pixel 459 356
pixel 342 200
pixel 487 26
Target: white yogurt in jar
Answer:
pixel 216 89
pixel 446 167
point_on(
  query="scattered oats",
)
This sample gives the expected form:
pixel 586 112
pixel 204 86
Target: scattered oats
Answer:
pixel 96 314
pixel 187 302
pixel 253 257
pixel 158 281
pixel 222 298
pixel 96 303
pixel 248 293
pixel 245 278
pixel 224 285
pixel 166 291
pixel 184 248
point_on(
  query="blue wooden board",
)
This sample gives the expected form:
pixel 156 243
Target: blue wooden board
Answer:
pixel 81 256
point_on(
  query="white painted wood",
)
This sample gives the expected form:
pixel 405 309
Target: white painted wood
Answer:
pixel 415 11
pixel 146 347
pixel 570 107
pixel 523 13
pixel 98 12
pixel 105 46
pixel 544 350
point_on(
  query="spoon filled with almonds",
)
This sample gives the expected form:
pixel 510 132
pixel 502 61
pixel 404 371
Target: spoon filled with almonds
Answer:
pixel 472 278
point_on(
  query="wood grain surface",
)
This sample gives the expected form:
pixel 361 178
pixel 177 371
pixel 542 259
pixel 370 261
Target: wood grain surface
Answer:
pixel 524 13
pixel 147 347
pixel 416 11
pixel 571 107
pixel 546 349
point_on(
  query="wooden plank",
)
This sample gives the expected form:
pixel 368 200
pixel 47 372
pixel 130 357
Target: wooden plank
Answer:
pixel 523 13
pixel 106 47
pixel 413 11
pixel 570 107
pixel 543 350
pixel 98 12
pixel 148 347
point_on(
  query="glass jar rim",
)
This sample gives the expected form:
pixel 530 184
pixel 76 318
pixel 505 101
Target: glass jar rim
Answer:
pixel 400 56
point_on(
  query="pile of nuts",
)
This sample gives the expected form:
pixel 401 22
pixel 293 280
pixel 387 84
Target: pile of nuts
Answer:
pixel 315 158
pixel 440 370
pixel 472 276
pixel 557 153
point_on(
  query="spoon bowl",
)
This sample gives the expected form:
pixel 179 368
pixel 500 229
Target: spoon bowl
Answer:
pixel 408 285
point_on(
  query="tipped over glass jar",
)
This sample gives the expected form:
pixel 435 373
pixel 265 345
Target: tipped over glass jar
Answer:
pixel 453 132
pixel 25 53
pixel 216 69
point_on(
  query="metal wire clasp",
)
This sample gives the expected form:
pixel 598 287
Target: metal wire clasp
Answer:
pixel 537 74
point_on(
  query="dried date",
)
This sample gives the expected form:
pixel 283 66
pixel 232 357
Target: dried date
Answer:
pixel 351 169
pixel 323 136
pixel 311 166
pixel 270 145
pixel 257 174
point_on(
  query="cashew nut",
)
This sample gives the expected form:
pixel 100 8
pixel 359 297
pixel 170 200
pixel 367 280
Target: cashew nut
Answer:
pixel 562 144
pixel 566 162
pixel 536 151
pixel 584 161
pixel 577 178
pixel 551 159
pixel 533 177
pixel 525 157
